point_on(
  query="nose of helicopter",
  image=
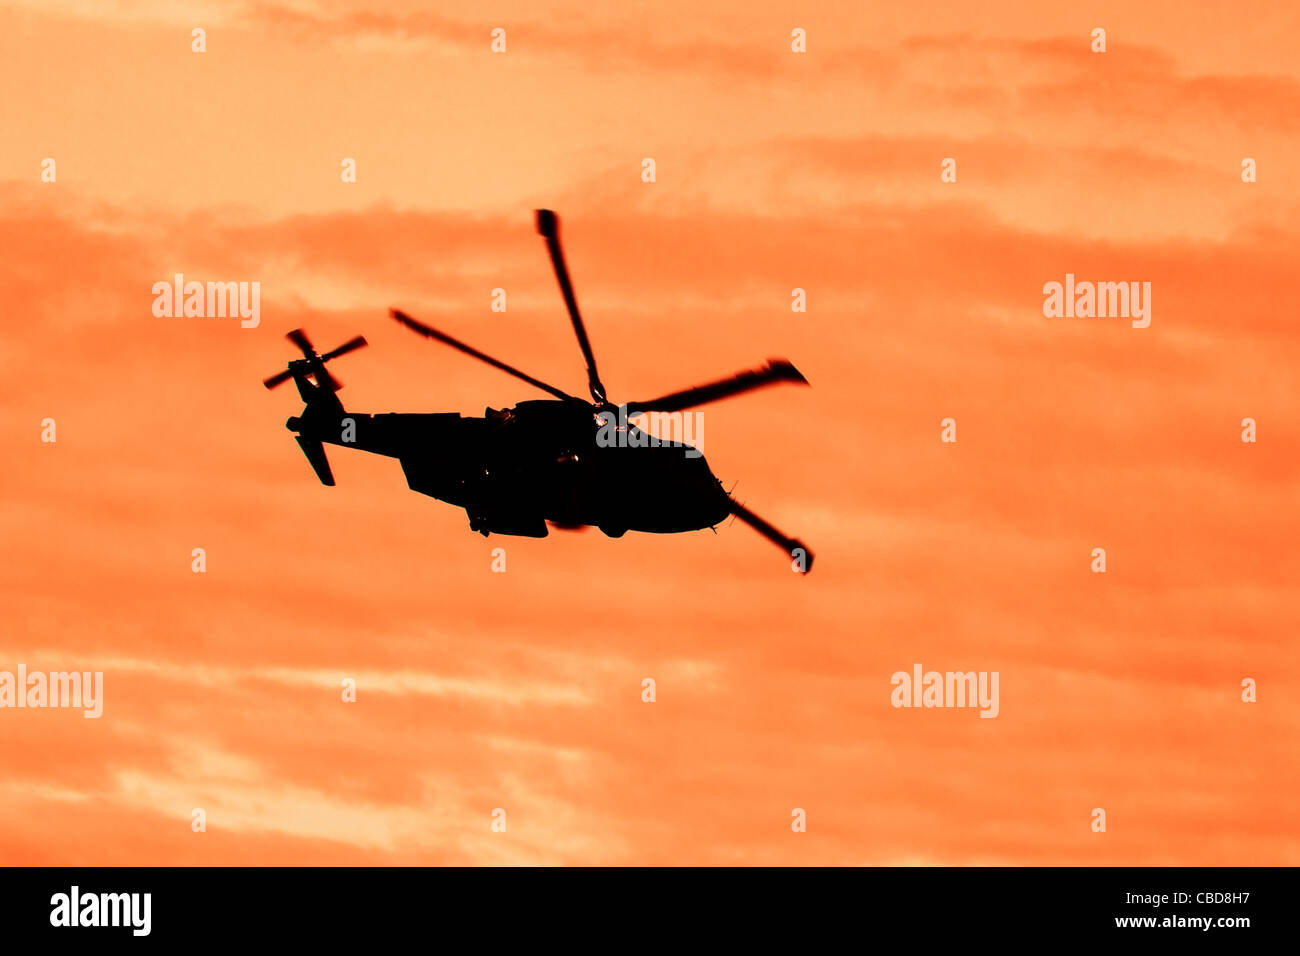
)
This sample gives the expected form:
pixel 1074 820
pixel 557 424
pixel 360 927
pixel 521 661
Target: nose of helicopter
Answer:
pixel 702 502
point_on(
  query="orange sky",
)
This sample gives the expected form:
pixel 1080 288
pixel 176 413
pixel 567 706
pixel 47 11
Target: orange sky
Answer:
pixel 775 170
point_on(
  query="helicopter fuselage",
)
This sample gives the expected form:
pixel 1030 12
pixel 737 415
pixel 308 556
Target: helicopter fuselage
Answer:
pixel 516 469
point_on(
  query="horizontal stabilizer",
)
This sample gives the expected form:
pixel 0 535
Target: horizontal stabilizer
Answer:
pixel 315 453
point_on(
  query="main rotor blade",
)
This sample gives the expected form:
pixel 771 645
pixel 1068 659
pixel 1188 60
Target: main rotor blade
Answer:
pixel 776 370
pixel 548 225
pixel 793 547
pixel 429 331
pixel 279 378
pixel 351 345
pixel 299 338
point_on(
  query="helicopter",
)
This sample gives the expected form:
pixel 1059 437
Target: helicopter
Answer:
pixel 541 462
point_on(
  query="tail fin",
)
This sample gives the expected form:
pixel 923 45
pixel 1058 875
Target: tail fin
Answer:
pixel 315 452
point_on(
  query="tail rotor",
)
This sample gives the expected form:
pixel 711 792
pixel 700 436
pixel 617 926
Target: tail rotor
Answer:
pixel 312 363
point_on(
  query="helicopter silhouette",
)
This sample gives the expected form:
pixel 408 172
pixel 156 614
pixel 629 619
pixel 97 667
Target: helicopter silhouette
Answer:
pixel 544 461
